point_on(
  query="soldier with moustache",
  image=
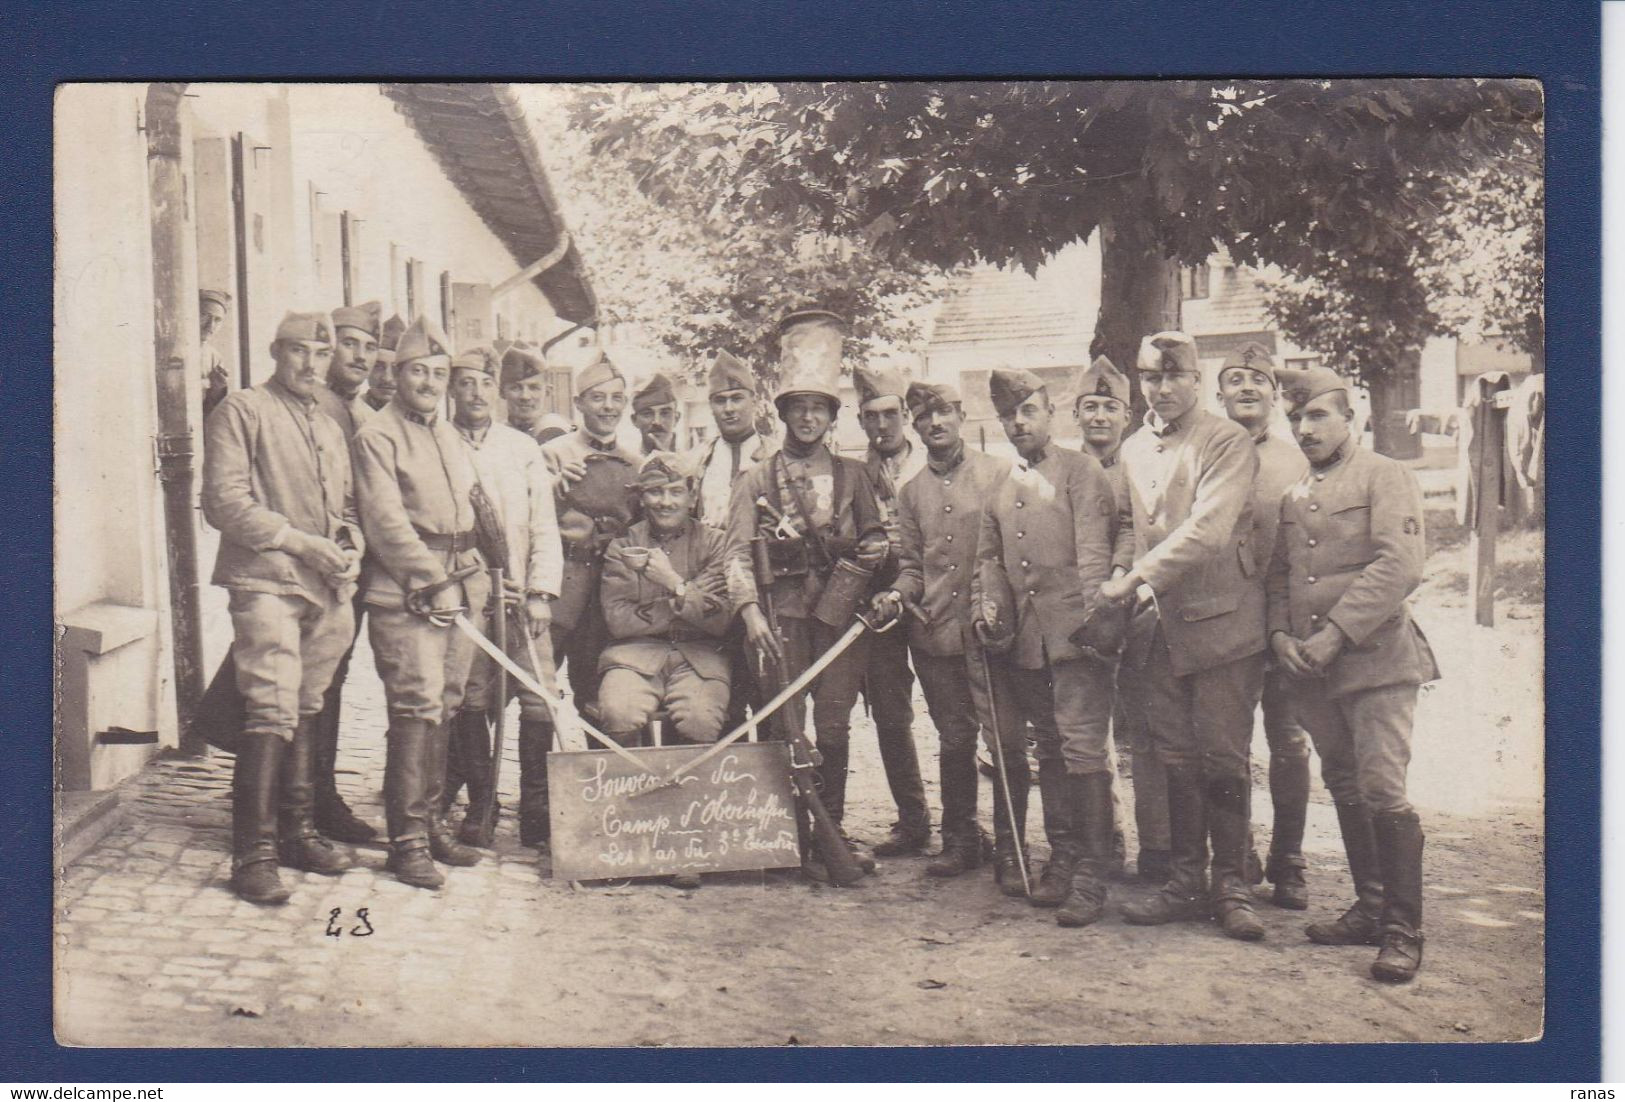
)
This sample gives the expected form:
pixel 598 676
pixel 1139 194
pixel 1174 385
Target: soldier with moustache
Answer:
pixel 593 474
pixel 655 414
pixel 1192 477
pixel 1102 406
pixel 1247 390
pixel 416 478
pixel 828 502
pixel 512 479
pixel 888 683
pixel 381 380
pixel 1349 552
pixel 1046 543
pixel 939 519
pixel 277 484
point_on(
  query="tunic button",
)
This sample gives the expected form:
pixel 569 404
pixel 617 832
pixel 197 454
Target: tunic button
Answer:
pixel 950 539
pixel 1021 535
pixel 1032 593
pixel 953 566
pixel 1320 478
pixel 1159 448
pixel 956 593
pixel 947 508
pixel 947 482
pixel 1312 579
pixel 1314 507
pixel 1314 616
pixel 1023 562
pixel 1019 504
pixel 1312 542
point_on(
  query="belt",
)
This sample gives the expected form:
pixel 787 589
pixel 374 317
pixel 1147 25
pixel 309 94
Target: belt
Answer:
pixel 436 541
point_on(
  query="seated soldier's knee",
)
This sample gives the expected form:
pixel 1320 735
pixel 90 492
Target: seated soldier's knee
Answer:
pixel 621 715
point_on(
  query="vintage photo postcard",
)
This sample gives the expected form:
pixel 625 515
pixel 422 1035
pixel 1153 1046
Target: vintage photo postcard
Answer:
pixel 810 563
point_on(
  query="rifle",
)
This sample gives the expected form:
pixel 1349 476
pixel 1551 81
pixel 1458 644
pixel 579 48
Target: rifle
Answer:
pixel 825 835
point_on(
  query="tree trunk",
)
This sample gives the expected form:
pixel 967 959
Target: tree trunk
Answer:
pixel 1139 290
pixel 1392 394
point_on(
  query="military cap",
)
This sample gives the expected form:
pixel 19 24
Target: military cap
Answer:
pixel 728 372
pixel 1300 387
pixel 1102 379
pixel 597 373
pixel 922 398
pixel 219 298
pixel 656 392
pixel 1168 351
pixel 312 326
pixel 874 383
pixel 1009 388
pixel 810 356
pixel 422 341
pixel 390 336
pixel 660 468
pixel 475 359
pixel 368 317
pixel 1251 354
pixel 519 364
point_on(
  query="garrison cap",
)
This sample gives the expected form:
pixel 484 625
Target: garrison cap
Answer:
pixel 1102 379
pixel 422 341
pixel 656 392
pixel 923 398
pixel 874 383
pixel 597 374
pixel 810 356
pixel 1300 387
pixel 219 298
pixel 660 468
pixel 1009 388
pixel 728 372
pixel 475 359
pixel 1253 355
pixel 390 337
pixel 519 364
pixel 368 317
pixel 311 326
pixel 1168 351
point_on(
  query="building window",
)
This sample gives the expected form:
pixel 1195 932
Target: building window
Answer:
pixel 1303 363
pixel 1193 281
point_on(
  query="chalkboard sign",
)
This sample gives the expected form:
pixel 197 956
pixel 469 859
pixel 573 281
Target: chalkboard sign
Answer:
pixel 610 821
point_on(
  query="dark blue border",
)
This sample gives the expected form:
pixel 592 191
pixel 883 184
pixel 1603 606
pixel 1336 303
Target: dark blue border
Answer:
pixel 1557 43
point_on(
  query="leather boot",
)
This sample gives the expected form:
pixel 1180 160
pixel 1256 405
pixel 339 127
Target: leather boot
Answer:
pixel 442 846
pixel 1061 830
pixel 1399 848
pixel 1008 841
pixel 1231 835
pixel 1092 812
pixel 1153 866
pixel 535 826
pixel 298 843
pixel 471 732
pixel 961 836
pixel 406 803
pixel 832 776
pixel 1184 896
pixel 901 761
pixel 333 816
pixel 255 778
pixel 1360 924
pixel 1289 793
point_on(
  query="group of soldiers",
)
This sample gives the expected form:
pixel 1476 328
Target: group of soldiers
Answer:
pixel 1153 592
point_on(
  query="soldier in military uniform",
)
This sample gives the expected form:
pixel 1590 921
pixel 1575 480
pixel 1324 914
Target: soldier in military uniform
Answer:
pixel 513 480
pixel 1247 391
pixel 1192 476
pixel 381 380
pixel 593 474
pixel 212 308
pixel 1349 552
pixel 1046 540
pixel 655 414
pixel 827 502
pixel 939 519
pixel 277 484
pixel 888 683
pixel 416 478
pixel 524 388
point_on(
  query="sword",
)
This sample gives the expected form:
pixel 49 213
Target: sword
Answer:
pixel 999 768
pixel 518 673
pixel 488 821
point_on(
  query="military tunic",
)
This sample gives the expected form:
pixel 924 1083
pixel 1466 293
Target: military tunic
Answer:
pixel 715 466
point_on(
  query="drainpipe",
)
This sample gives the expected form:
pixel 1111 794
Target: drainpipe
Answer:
pixel 173 348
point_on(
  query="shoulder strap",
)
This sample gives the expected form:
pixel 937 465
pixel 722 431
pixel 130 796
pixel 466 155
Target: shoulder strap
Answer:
pixel 813 536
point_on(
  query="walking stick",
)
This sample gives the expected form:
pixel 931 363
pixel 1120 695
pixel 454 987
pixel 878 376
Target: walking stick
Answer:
pixel 1000 768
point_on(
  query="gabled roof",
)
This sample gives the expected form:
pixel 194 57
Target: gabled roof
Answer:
pixel 989 306
pixel 480 136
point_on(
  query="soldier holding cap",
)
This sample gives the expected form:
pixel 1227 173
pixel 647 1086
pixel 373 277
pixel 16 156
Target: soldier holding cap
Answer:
pixel 828 504
pixel 416 480
pixel 1348 554
pixel 1192 476
pixel 593 472
pixel 381 380
pixel 939 518
pixel 277 484
pixel 212 308
pixel 1046 544
pixel 513 482
pixel 1247 390
pixel 655 414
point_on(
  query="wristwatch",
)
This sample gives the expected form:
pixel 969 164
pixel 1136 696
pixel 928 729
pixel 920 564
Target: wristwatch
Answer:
pixel 679 593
